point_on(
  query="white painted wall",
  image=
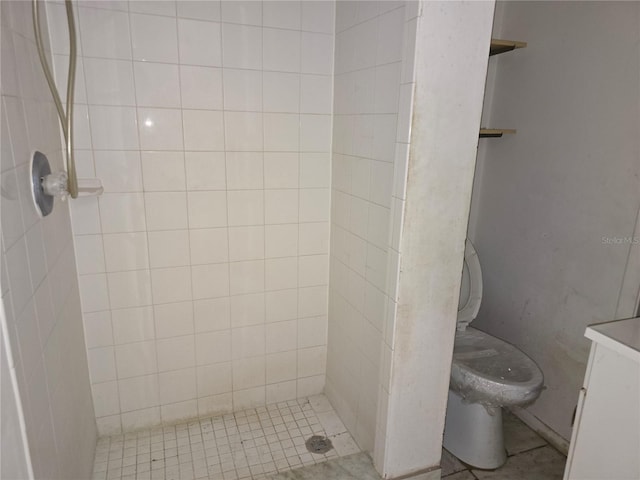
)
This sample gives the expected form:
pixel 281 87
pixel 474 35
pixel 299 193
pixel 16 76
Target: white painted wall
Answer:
pixel 39 281
pixel 545 198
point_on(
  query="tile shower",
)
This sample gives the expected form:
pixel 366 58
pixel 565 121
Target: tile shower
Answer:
pixel 203 267
pixel 253 157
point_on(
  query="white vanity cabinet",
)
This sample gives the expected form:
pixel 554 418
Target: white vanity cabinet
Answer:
pixel 605 443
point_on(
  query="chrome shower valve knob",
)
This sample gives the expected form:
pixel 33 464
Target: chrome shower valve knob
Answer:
pixel 55 184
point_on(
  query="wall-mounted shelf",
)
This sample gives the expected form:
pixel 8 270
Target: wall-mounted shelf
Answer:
pixel 502 46
pixel 495 132
pixel 499 46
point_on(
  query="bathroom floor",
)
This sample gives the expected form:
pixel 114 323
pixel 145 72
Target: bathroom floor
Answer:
pixel 530 457
pixel 252 444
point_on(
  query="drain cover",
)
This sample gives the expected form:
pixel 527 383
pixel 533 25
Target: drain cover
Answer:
pixel 318 444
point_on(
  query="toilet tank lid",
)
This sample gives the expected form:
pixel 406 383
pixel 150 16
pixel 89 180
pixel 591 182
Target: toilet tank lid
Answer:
pixel 471 288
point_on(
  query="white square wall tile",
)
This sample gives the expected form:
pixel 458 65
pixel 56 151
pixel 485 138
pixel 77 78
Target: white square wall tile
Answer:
pixel 138 392
pixel 281 132
pixel 209 245
pixel 244 170
pixel 200 43
pixel 109 82
pixel 113 128
pixel 154 38
pixel 167 9
pixel 213 347
pixel 157 85
pixel 126 251
pixel 173 319
pixel 242 90
pixel 129 289
pixel 201 86
pixel 281 206
pixel 205 170
pixel 166 210
pixel 281 273
pixel 242 45
pixel 316 94
pixel 313 270
pixel 119 171
pixel 143 418
pixel 312 301
pixel 203 130
pixel 160 128
pixel 210 281
pixel 281 92
pixel 249 398
pixel 311 361
pixel 314 205
pixel 246 207
pixel 281 367
pixel 281 392
pixel 246 277
pixel 281 50
pixel 169 248
pixel 199 10
pixel 312 331
pixel 318 16
pixel 282 14
pixel 390 37
pixel 315 133
pixel 122 212
pixel 247 12
pixel 281 170
pixel 247 309
pixel 281 305
pixel 171 285
pixel 248 373
pixel 315 170
pixel 211 314
pixel 104 33
pixel 132 324
pixel 281 336
pixel 281 240
pixel 136 359
pixel 106 399
pixel 247 341
pixel 175 353
pixel 177 386
pixel 243 131
pixel 207 209
pixel 317 53
pixel 213 379
pixel 163 171
pixel 102 364
pixel 97 328
pixel 246 243
pixel 89 254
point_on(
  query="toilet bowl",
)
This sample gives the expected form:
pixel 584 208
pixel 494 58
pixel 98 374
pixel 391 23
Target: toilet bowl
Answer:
pixel 486 374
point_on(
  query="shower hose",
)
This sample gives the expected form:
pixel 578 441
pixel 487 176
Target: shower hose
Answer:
pixel 66 117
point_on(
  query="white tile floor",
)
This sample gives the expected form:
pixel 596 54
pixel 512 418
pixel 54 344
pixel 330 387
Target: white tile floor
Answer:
pixel 252 444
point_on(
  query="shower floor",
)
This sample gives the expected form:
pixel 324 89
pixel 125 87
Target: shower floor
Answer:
pixel 251 444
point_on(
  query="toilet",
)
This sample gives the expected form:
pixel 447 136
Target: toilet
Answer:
pixel 486 374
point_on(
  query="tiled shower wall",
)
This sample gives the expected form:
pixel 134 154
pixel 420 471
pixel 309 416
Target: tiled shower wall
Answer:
pixel 204 265
pixel 40 295
pixel 375 45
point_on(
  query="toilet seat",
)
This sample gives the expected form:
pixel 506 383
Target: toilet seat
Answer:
pixel 492 372
pixel 471 287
